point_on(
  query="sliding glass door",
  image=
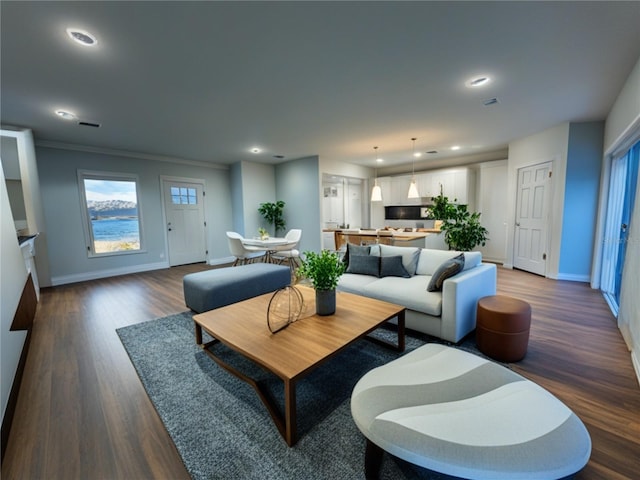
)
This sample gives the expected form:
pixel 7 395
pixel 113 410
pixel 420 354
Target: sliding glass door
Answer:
pixel 622 193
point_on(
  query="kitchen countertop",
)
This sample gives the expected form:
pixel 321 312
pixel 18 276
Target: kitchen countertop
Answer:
pixel 396 234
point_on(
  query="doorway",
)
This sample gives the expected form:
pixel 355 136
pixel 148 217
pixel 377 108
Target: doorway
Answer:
pixel 183 205
pixel 621 199
pixel 532 218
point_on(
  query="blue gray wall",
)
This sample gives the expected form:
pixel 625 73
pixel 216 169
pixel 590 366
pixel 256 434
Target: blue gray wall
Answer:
pixel 298 185
pixel 582 185
pixel 63 211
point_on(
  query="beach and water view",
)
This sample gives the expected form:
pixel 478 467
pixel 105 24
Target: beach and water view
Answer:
pixel 116 234
pixel 113 208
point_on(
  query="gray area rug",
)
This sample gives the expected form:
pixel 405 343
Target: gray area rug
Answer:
pixel 223 431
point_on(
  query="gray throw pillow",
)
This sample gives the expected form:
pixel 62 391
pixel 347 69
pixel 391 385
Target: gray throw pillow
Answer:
pixel 364 265
pixel 392 267
pixel 353 249
pixel 447 269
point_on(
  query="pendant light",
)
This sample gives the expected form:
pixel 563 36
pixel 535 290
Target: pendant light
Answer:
pixel 376 192
pixel 413 188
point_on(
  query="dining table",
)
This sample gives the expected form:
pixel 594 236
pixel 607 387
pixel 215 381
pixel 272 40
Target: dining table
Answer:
pixel 270 245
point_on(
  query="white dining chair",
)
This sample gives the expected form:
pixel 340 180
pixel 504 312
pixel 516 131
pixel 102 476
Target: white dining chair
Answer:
pixel 288 253
pixel 244 254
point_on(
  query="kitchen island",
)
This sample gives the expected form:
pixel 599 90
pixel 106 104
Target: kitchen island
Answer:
pixel 429 238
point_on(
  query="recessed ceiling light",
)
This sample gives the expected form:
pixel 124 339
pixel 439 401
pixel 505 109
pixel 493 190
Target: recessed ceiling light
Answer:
pixel 455 147
pixel 82 37
pixel 379 160
pixel 478 81
pixel 255 150
pixel 66 115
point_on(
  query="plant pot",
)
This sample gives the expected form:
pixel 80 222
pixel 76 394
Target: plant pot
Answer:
pixel 325 302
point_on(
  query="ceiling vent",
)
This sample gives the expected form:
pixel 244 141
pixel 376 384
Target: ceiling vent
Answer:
pixel 491 101
pixel 432 152
pixel 89 124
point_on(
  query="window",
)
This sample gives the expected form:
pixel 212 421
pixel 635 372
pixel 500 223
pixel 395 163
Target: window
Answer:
pixel 184 196
pixel 111 210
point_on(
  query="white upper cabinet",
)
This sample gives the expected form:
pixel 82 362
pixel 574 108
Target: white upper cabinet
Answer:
pixel 458 184
pixel 399 191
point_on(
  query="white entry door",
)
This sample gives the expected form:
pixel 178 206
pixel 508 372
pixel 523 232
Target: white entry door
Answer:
pixel 532 218
pixel 186 232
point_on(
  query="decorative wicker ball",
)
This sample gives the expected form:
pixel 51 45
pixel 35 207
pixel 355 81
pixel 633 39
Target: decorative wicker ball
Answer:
pixel 285 307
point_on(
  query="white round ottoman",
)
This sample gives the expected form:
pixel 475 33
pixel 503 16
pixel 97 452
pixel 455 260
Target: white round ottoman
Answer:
pixel 456 413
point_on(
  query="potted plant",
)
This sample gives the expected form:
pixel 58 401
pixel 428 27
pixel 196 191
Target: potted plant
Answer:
pixel 441 209
pixel 272 213
pixel 324 270
pixel 462 231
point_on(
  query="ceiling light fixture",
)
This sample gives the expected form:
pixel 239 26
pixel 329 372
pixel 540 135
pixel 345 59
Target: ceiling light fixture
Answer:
pixel 82 37
pixel 413 189
pixel 64 114
pixel 478 81
pixel 376 192
pixel 255 150
pixel 455 147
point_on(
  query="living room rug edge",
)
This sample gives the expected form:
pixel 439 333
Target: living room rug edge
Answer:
pixel 222 430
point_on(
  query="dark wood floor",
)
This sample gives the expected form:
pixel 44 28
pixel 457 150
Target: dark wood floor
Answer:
pixel 82 412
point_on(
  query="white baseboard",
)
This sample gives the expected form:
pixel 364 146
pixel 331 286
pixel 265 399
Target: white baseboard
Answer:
pixel 221 261
pixel 574 278
pixel 112 272
pixel 636 364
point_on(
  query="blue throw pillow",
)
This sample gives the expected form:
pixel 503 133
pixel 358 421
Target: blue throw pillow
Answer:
pixel 364 265
pixel 448 269
pixel 353 249
pixel 392 267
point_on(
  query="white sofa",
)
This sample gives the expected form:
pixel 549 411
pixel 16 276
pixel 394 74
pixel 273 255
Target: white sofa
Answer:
pixel 449 314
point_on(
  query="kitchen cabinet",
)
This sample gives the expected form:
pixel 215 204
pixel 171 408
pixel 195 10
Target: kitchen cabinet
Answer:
pixel 399 191
pixel 456 183
pixel 444 180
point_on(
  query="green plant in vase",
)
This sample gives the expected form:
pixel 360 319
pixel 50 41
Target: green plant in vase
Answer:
pixel 323 270
pixel 262 232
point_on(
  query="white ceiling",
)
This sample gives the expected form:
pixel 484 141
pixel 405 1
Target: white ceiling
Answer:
pixel 208 81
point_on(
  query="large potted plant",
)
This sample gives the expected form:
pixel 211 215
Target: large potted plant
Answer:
pixel 441 208
pixel 323 270
pixel 462 230
pixel 273 213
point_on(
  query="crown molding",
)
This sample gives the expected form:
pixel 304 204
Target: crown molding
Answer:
pixel 127 153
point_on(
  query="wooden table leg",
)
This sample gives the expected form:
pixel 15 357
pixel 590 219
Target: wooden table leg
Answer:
pixel 198 333
pixel 401 344
pixel 290 419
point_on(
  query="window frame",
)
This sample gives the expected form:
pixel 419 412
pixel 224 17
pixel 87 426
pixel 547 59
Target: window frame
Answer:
pixel 86 223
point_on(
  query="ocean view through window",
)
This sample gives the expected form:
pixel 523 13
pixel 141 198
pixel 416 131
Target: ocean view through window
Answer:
pixel 113 220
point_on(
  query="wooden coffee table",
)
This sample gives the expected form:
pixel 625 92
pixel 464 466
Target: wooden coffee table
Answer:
pixel 292 353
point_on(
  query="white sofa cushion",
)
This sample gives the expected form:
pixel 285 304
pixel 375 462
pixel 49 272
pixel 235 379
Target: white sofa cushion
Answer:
pixel 410 292
pixel 429 260
pixel 354 282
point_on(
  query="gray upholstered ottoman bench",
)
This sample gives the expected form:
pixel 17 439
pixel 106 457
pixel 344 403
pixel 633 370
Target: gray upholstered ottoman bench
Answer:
pixel 456 413
pixel 204 291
